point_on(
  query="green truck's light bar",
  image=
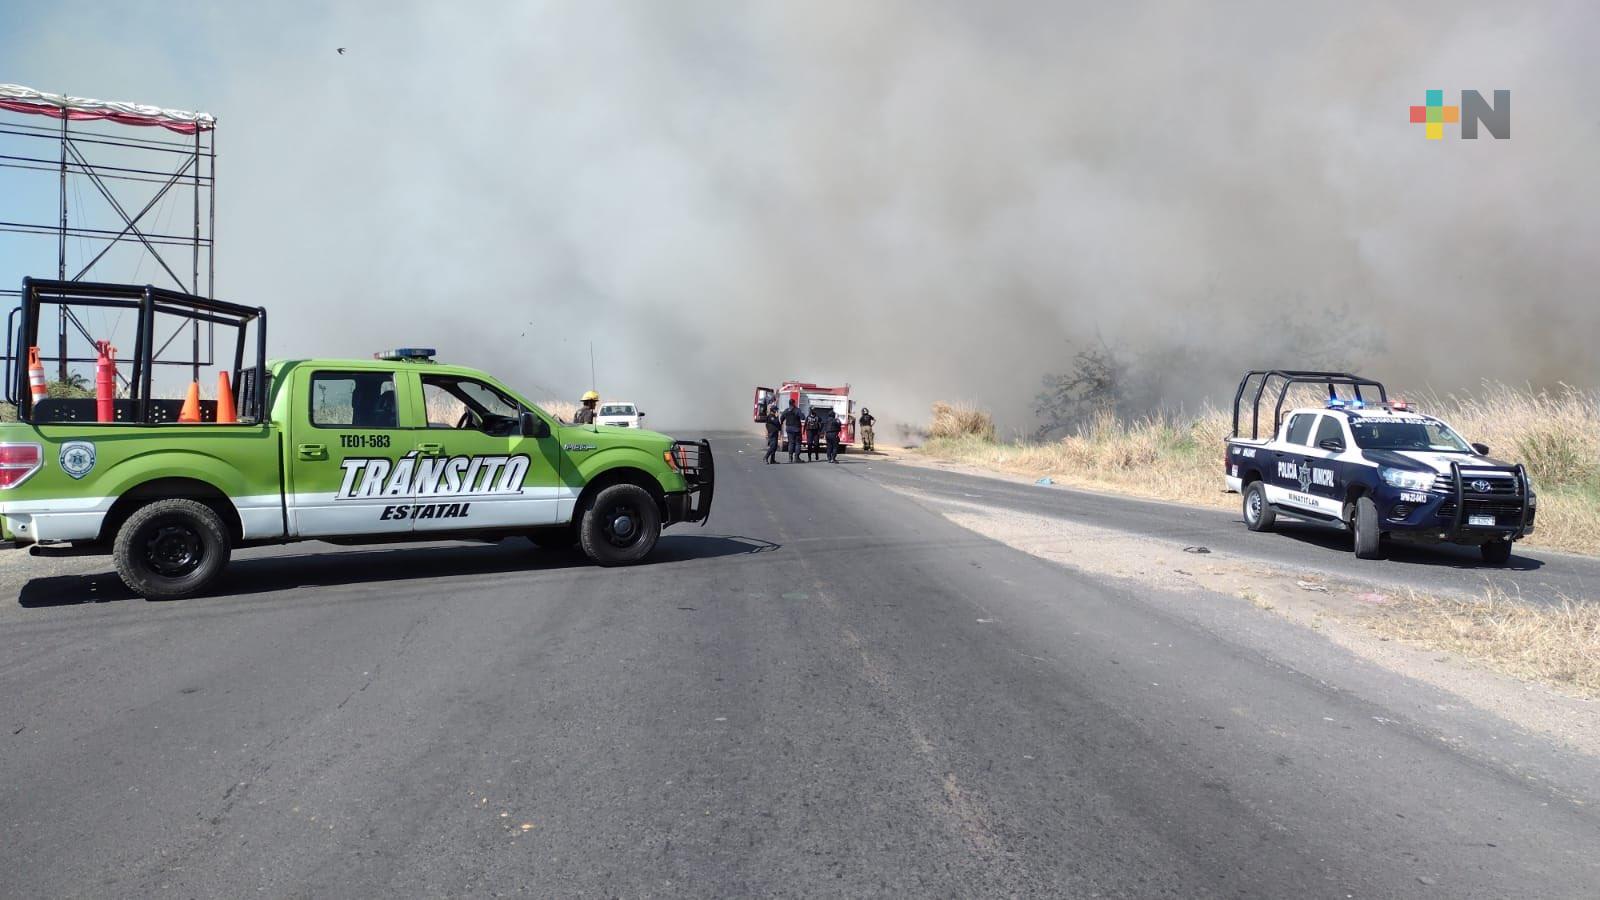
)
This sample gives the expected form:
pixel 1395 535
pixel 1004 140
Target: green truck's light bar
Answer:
pixel 422 353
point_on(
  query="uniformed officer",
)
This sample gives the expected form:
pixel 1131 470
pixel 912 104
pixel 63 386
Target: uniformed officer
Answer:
pixel 773 427
pixel 814 435
pixel 867 420
pixel 830 430
pixel 585 413
pixel 791 419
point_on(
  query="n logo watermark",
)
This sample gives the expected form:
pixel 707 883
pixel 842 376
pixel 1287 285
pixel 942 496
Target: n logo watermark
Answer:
pixel 1434 115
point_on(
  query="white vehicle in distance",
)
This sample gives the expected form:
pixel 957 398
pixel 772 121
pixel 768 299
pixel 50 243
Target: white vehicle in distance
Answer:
pixel 619 413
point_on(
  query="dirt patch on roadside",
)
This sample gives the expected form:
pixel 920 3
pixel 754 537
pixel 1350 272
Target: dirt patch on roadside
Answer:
pixel 1536 667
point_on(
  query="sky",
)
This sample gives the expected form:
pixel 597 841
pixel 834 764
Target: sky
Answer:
pixel 929 200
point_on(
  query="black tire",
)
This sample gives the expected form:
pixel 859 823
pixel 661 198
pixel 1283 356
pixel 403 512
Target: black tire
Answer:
pixel 554 538
pixel 1364 522
pixel 171 549
pixel 620 526
pixel 1496 553
pixel 1258 513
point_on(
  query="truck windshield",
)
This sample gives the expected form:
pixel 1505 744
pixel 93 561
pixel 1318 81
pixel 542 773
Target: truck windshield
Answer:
pixel 1406 434
pixel 617 409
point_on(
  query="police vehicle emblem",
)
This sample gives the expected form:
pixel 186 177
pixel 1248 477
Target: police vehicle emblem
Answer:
pixel 77 458
pixel 1481 486
pixel 1305 475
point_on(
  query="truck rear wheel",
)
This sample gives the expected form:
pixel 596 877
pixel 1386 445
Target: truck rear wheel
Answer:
pixel 171 549
pixel 620 526
pixel 1364 522
pixel 1258 513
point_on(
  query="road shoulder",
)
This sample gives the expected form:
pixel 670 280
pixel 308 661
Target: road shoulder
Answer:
pixel 1340 614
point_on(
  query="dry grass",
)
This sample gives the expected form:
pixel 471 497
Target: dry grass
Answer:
pixel 1555 645
pixel 960 421
pixel 1177 457
pixel 561 409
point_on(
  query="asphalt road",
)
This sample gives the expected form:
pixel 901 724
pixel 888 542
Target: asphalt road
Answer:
pixel 1533 574
pixel 829 691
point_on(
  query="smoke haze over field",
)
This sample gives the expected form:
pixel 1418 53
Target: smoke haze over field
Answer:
pixel 927 199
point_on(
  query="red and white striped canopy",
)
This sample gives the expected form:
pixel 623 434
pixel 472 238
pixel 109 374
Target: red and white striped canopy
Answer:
pixel 21 99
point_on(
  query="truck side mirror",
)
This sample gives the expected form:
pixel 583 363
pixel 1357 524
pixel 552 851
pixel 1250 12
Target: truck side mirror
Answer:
pixel 533 426
pixel 1332 445
pixel 1481 449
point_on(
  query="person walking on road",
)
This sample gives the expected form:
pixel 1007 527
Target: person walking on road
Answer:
pixel 830 430
pixel 773 427
pixel 791 421
pixel 813 435
pixel 866 421
pixel 585 413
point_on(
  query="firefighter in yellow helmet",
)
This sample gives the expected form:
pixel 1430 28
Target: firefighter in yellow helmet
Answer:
pixel 585 413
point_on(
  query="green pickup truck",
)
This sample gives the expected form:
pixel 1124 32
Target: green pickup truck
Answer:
pixel 394 448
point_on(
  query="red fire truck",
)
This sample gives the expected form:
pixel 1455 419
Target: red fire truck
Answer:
pixel 809 396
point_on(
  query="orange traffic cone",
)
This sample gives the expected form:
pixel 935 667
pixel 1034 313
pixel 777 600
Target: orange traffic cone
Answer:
pixel 191 404
pixel 36 384
pixel 225 411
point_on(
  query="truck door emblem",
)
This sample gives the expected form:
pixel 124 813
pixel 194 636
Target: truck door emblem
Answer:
pixel 1305 476
pixel 77 458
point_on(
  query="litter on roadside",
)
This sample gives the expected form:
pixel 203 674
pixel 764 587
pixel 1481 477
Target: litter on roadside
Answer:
pixel 1312 586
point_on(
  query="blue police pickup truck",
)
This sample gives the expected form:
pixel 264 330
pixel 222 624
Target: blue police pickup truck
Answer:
pixel 1370 464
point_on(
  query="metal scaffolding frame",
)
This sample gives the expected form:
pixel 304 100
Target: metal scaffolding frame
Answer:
pixel 76 151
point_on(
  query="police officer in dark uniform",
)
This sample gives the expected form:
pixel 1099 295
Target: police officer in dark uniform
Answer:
pixel 830 430
pixel 814 435
pixel 791 420
pixel 773 427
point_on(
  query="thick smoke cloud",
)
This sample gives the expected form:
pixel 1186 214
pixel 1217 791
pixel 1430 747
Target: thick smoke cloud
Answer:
pixel 930 200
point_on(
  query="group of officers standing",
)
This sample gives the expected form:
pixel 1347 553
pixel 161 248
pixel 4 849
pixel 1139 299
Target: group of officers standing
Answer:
pixel 821 425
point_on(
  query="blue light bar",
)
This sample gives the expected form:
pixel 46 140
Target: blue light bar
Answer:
pixel 425 353
pixel 1335 403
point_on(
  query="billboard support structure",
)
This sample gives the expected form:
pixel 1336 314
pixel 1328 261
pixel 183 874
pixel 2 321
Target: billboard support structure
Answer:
pixel 114 162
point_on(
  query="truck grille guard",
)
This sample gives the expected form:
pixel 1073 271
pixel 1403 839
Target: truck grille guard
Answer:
pixel 1458 491
pixel 698 468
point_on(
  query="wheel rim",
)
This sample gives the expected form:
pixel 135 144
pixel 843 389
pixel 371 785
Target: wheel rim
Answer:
pixel 1252 506
pixel 623 525
pixel 173 549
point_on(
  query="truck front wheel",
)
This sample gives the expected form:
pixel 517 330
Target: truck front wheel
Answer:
pixel 171 549
pixel 1364 522
pixel 620 526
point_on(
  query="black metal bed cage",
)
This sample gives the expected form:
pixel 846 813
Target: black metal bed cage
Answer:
pixel 1286 379
pixel 138 406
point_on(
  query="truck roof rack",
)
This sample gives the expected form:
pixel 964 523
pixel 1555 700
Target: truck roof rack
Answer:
pixel 1287 378
pixel 148 301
